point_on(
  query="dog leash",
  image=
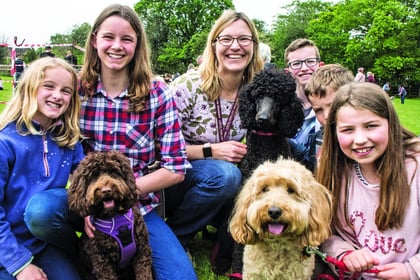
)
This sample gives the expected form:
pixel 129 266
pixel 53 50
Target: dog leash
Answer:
pixel 341 267
pixel 342 270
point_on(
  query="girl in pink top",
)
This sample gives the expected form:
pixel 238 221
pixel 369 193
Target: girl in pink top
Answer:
pixel 372 168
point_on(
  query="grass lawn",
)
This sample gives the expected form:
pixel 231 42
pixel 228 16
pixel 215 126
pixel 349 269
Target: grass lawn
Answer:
pixel 7 92
pixel 201 249
pixel 409 112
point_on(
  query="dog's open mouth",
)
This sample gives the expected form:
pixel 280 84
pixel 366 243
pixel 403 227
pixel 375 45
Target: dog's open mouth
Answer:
pixel 108 203
pixel 276 228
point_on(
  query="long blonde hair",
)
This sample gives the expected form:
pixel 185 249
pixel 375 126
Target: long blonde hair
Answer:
pixel 211 83
pixel 23 105
pixel 140 71
pixel 394 185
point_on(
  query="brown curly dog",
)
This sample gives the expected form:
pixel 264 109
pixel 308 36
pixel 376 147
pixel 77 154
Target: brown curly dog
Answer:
pixel 280 210
pixel 103 187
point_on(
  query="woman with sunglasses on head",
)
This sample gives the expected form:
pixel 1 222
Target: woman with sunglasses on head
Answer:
pixel 207 104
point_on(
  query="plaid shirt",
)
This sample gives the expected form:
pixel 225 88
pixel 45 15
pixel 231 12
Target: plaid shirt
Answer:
pixel 107 125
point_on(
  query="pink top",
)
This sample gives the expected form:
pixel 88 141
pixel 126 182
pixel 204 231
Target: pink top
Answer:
pixel 396 245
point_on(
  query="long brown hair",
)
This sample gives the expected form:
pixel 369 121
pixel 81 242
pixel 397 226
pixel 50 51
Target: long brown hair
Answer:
pixel 336 167
pixel 139 68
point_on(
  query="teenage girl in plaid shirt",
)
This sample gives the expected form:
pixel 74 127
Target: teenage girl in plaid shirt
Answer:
pixel 124 109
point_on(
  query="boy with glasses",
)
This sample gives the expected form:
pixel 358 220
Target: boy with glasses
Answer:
pixel 303 59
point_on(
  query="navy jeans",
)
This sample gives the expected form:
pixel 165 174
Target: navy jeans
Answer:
pixel 403 98
pixel 56 259
pixel 54 262
pixel 170 261
pixel 210 187
pixel 48 218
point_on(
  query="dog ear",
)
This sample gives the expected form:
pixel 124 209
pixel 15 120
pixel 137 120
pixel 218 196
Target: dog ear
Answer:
pixel 87 171
pixel 117 165
pixel 126 173
pixel 292 118
pixel 238 226
pixel 319 228
pixel 77 192
pixel 247 107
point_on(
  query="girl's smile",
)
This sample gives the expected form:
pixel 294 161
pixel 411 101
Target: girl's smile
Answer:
pixel 54 96
pixel 362 135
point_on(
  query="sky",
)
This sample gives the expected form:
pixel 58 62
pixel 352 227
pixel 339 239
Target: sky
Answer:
pixel 36 21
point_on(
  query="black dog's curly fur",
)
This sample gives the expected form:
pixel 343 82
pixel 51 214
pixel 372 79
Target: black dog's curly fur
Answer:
pixel 268 133
pixel 103 177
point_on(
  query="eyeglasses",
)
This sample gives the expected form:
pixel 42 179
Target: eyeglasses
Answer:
pixel 297 64
pixel 226 40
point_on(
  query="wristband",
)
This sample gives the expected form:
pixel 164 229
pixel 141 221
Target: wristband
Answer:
pixel 207 150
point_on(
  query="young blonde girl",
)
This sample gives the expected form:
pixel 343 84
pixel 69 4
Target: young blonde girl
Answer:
pixel 371 164
pixel 39 148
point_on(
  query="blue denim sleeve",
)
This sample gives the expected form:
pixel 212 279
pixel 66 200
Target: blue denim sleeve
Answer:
pixel 302 154
pixel 298 151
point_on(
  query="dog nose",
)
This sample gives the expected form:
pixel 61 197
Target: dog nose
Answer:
pixel 106 191
pixel 265 112
pixel 274 212
pixel 262 120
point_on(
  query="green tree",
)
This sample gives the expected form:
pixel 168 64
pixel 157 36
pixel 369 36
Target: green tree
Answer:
pixel 77 37
pixel 177 29
pixel 4 50
pixel 79 34
pixel 264 33
pixel 381 36
pixel 293 24
pixel 30 55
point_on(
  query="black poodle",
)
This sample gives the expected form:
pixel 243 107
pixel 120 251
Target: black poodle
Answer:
pixel 272 113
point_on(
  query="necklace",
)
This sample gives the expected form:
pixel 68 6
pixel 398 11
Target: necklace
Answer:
pixel 224 129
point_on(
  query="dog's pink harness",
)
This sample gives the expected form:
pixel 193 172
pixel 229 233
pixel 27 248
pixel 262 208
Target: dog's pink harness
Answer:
pixel 119 227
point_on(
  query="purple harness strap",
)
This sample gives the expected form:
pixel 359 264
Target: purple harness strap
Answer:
pixel 120 227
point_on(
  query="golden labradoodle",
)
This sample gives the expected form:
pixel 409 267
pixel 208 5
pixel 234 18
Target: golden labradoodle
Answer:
pixel 103 187
pixel 280 210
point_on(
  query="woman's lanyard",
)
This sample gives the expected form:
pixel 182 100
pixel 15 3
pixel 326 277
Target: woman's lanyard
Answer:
pixel 223 130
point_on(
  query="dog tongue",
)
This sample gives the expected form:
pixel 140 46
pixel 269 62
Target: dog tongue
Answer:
pixel 275 229
pixel 108 204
